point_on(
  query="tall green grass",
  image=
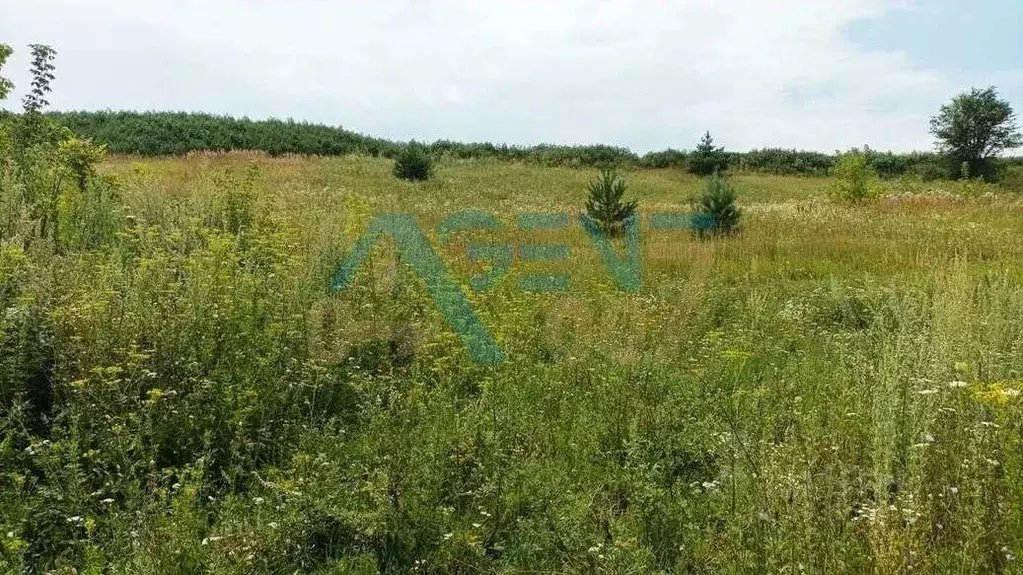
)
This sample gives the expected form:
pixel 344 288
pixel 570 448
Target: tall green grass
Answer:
pixel 835 389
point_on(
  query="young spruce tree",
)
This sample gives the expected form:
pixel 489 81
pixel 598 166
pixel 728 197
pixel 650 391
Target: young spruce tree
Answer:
pixel 717 212
pixel 413 163
pixel 605 205
pixel 707 159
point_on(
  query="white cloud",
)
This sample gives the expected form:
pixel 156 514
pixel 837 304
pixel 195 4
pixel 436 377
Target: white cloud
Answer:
pixel 641 73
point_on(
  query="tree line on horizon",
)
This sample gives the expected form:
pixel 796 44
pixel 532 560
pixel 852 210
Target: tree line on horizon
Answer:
pixel 176 133
pixel 971 132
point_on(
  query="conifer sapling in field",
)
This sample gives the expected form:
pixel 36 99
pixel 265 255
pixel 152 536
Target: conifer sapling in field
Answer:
pixel 707 159
pixel 605 206
pixel 717 211
pixel 413 163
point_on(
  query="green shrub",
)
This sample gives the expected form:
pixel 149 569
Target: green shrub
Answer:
pixel 719 214
pixel 930 171
pixel 79 157
pixel 854 177
pixel 886 164
pixel 413 163
pixel 780 161
pixel 664 159
pixel 605 206
pixel 1011 178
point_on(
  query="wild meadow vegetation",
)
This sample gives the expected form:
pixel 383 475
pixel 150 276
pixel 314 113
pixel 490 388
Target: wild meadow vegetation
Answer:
pixel 831 384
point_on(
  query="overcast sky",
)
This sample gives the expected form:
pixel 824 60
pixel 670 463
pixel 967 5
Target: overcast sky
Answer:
pixel 647 74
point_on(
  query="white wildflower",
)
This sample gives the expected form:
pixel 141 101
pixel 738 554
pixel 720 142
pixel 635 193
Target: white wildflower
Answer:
pixel 709 485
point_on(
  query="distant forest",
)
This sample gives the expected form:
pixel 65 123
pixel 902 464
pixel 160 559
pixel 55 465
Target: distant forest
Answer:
pixel 173 133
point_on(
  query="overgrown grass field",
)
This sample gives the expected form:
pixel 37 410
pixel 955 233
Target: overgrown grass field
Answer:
pixel 837 388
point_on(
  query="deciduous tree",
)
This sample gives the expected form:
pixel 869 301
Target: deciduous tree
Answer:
pixel 973 128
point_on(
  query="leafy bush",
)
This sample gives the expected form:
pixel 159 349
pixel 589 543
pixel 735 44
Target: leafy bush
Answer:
pixel 854 177
pixel 930 171
pixel 605 205
pixel 665 159
pixel 789 162
pixel 719 214
pixel 80 157
pixel 1011 178
pixel 886 164
pixel 707 159
pixel 413 163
